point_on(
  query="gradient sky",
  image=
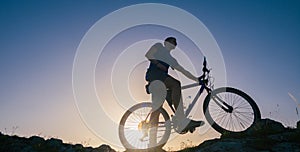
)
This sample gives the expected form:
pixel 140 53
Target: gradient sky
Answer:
pixel 259 41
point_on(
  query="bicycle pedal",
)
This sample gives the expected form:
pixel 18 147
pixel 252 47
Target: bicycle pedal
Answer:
pixel 192 130
pixel 183 132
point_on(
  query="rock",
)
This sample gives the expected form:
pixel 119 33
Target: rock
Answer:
pixel 265 135
pixel 90 149
pixel 264 127
pixel 35 140
pixel 286 146
pixel 78 147
pixel 105 148
pixel 38 144
pixel 54 143
pixel 298 125
pixel 28 149
pixel 227 145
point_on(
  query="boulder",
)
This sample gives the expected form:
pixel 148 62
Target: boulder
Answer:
pixel 35 140
pixel 265 135
pixel 286 146
pixel 265 127
pixel 105 148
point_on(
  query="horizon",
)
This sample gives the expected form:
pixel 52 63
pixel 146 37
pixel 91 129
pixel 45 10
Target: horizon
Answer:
pixel 259 43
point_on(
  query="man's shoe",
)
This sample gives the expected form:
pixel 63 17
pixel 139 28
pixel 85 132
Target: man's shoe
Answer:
pixel 194 124
pixel 191 126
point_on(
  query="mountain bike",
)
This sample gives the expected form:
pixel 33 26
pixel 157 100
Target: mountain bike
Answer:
pixel 226 109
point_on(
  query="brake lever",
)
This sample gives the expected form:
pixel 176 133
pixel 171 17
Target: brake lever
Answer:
pixel 204 69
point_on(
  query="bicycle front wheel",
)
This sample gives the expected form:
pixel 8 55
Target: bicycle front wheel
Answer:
pixel 134 127
pixel 230 110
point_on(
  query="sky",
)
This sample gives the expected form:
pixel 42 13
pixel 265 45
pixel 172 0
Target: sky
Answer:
pixel 259 42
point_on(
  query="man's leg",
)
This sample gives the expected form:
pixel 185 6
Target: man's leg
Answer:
pixel 183 122
pixel 175 86
pixel 158 91
pixel 153 129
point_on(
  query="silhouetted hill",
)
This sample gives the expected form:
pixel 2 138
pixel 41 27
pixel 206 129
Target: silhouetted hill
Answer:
pixel 266 135
pixel 38 144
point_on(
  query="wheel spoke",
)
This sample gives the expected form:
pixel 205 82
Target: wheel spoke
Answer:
pixel 135 131
pixel 245 116
pixel 239 119
pixel 242 122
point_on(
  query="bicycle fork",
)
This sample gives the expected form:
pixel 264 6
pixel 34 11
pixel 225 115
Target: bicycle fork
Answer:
pixel 222 104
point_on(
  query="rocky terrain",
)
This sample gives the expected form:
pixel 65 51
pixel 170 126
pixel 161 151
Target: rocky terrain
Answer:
pixel 266 135
pixel 38 144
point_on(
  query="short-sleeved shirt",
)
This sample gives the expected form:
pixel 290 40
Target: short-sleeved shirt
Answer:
pixel 163 56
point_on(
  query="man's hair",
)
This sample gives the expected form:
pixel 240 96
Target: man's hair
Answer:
pixel 171 40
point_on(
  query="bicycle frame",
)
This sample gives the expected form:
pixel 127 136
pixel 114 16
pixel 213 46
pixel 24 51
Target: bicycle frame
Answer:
pixel 218 101
pixel 203 81
pixel 203 86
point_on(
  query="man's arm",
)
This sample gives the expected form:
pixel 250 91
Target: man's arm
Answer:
pixel 185 72
pixel 175 65
pixel 150 55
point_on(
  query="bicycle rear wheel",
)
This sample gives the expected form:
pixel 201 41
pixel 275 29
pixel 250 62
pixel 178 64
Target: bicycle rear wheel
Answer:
pixel 134 128
pixel 230 110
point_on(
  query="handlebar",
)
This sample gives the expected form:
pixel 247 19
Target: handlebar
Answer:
pixel 204 70
pixel 203 80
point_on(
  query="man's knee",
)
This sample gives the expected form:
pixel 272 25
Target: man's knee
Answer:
pixel 177 84
pixel 172 83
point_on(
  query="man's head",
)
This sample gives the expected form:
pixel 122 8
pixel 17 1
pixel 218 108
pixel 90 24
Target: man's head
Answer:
pixel 170 43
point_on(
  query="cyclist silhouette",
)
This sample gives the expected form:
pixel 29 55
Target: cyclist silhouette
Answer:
pixel 159 79
pixel 147 126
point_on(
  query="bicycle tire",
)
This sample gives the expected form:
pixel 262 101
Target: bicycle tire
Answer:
pixel 129 145
pixel 216 120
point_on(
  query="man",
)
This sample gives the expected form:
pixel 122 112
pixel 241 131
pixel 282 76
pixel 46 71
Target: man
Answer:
pixel 157 74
